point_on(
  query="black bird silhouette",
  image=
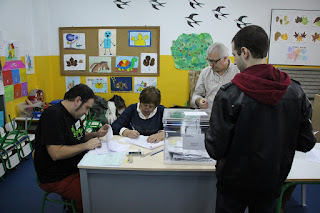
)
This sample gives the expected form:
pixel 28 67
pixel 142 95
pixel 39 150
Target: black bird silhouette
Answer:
pixel 156 4
pixel 191 21
pixel 120 3
pixel 218 13
pixel 240 23
pixel 194 3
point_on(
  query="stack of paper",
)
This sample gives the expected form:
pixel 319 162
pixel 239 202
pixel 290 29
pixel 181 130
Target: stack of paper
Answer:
pixel 179 154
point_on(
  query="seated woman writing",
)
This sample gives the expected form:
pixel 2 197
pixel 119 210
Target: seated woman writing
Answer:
pixel 143 118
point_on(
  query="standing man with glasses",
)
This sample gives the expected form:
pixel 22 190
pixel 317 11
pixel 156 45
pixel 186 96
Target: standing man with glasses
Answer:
pixel 220 72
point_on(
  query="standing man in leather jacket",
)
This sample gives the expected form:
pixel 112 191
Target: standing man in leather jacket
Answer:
pixel 258 121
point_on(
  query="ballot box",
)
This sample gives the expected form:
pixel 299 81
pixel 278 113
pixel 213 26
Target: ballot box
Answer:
pixel 184 136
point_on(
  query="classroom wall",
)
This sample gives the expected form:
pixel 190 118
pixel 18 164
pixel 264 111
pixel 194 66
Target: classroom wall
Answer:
pixel 36 22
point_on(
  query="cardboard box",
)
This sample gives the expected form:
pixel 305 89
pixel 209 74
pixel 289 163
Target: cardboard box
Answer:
pixel 316 116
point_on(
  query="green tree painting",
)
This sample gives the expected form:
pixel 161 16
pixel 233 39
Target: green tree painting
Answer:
pixel 189 51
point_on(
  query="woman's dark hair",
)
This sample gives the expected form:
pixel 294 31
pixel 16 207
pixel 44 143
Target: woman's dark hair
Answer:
pixel 81 90
pixel 150 95
pixel 254 38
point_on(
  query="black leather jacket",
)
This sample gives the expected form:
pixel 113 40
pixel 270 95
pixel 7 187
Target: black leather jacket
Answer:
pixel 254 144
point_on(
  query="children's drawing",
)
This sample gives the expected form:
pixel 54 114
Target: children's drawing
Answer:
pixel 71 81
pixel 121 3
pixel 24 89
pixel 74 61
pixel 107 42
pixel 127 64
pixel 74 41
pixel 302 20
pixel 139 38
pixel 189 51
pixel 98 84
pixel 9 93
pixel 15 76
pixel 12 50
pixel 121 84
pixel 316 37
pixel 142 82
pixel 218 14
pixel 17 91
pixel 149 63
pixel 300 36
pixel 191 21
pixel 240 23
pixel 281 35
pixel 155 4
pixel 316 21
pixel 29 62
pixel 297 54
pixel 10 65
pixel 100 64
pixel 282 20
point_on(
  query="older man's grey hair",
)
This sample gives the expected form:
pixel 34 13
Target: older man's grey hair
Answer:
pixel 220 48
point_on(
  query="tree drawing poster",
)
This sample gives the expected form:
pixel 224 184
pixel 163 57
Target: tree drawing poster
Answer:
pixel 74 62
pixel 295 37
pixel 149 62
pixel 74 41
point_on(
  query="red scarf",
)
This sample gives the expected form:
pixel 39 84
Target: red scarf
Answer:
pixel 264 83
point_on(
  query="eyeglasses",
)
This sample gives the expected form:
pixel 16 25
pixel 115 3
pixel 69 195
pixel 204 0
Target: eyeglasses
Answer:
pixel 213 61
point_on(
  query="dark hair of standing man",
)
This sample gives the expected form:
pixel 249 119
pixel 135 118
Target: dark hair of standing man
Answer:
pixel 253 38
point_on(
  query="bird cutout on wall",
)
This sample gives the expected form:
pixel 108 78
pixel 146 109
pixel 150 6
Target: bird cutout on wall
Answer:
pixel 194 3
pixel 191 21
pixel 218 13
pixel 121 3
pixel 241 23
pixel 155 4
pixel 72 62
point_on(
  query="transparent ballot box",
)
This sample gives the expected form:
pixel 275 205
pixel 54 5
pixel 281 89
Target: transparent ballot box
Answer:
pixel 184 136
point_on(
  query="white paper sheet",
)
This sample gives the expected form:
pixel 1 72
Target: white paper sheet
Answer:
pixel 112 159
pixel 142 141
pixel 313 156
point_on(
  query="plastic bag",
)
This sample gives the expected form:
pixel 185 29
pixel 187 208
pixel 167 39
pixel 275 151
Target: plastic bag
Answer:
pixel 25 110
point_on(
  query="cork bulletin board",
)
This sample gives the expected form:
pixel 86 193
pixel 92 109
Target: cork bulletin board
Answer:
pixel 109 51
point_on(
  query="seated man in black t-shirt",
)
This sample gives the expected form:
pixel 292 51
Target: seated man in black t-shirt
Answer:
pixel 61 142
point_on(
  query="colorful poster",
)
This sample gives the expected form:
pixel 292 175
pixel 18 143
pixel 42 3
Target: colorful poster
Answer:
pixel 24 89
pixel 142 82
pixel 107 42
pixel 71 81
pixel 98 84
pixel 74 61
pixel 121 84
pixel 127 64
pixel 74 41
pixel 139 38
pixel 17 91
pixel 7 77
pixel 9 93
pixel 100 64
pixel 149 62
pixel 16 76
pixel 29 62
pixel 12 50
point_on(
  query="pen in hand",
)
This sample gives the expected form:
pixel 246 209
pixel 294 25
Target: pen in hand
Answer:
pixel 156 152
pixel 132 126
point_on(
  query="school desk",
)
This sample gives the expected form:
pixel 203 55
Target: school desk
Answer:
pixel 148 185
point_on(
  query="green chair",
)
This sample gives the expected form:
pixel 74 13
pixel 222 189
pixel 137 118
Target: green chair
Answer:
pixel 65 203
pixel 90 124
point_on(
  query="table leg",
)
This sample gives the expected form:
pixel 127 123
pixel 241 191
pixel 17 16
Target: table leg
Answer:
pixel 303 194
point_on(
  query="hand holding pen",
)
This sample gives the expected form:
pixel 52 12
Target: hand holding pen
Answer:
pixel 131 133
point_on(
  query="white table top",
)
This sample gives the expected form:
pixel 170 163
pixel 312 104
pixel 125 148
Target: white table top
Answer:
pixel 301 170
